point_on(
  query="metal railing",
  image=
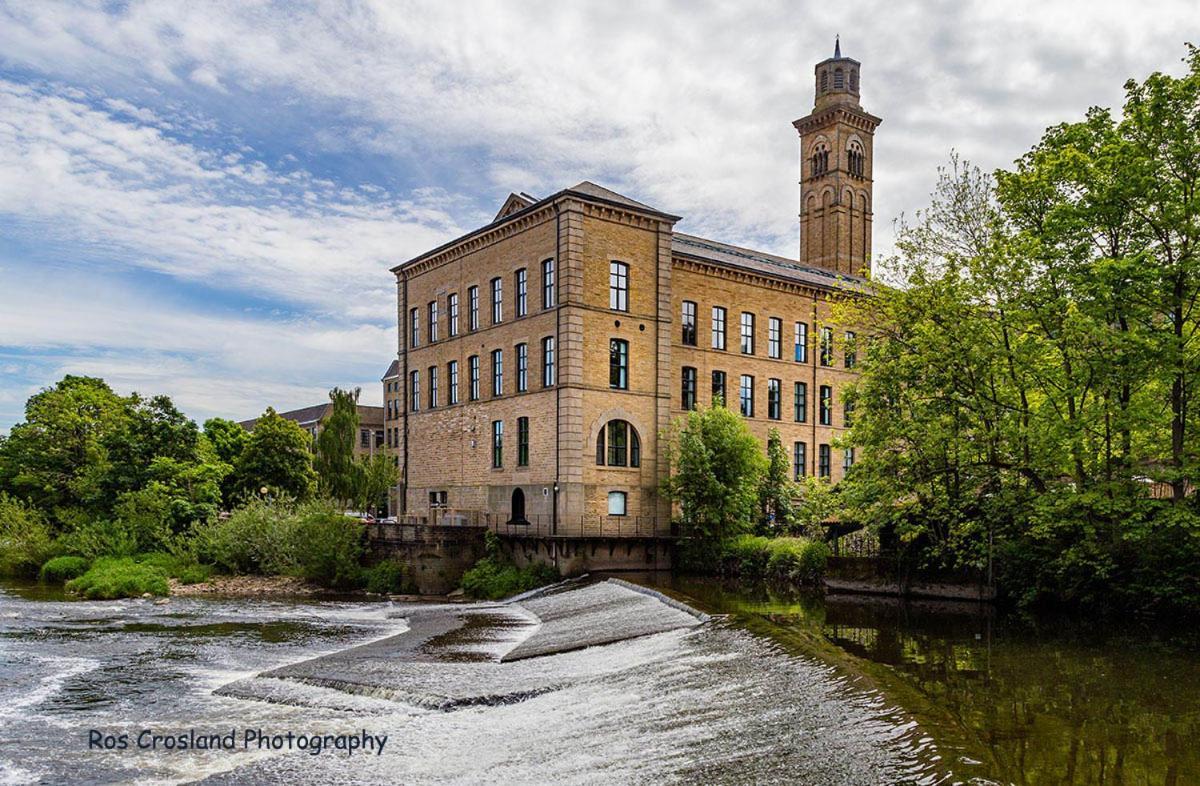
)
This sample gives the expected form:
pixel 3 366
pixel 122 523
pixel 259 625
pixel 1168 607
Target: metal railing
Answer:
pixel 407 526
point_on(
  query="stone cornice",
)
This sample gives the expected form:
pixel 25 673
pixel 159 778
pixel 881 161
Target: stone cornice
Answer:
pixel 531 216
pixel 851 116
pixel 782 284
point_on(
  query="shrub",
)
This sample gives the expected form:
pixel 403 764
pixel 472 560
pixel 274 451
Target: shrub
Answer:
pixel 492 578
pixel 746 555
pixel 119 577
pixel 783 559
pixel 386 578
pixel 94 538
pixel 64 568
pixel 332 547
pixel 25 538
pixel 797 559
pixel 258 537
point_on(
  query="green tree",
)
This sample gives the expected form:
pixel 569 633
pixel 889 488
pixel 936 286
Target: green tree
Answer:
pixel 276 457
pixel 777 489
pixel 376 475
pixel 56 458
pixel 338 473
pixel 228 439
pixel 717 466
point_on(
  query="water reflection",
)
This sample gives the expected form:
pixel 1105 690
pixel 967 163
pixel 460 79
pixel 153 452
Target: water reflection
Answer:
pixel 1005 699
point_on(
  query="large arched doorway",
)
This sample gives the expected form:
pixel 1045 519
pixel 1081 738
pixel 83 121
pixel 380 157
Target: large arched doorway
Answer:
pixel 518 507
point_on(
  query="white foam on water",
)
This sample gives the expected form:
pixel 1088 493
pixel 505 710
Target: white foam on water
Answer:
pixel 60 671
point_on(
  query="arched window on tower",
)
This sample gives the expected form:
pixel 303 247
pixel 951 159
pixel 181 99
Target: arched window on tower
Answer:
pixel 853 80
pixel 855 158
pixel 839 79
pixel 618 445
pixel 820 159
pixel 824 80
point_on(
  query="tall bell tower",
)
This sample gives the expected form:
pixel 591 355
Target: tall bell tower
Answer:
pixel 836 151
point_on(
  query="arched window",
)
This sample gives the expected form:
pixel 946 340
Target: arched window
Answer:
pixel 824 81
pixel 820 159
pixel 618 445
pixel 839 79
pixel 855 158
pixel 853 80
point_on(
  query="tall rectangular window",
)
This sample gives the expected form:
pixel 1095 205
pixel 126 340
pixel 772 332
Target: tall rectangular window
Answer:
pixel 497 372
pixel 826 346
pixel 414 391
pixel 774 399
pixel 433 321
pixel 826 404
pixel 497 300
pixel 452 313
pixel 522 293
pixel 747 333
pixel 718 388
pixel 548 362
pixel 473 308
pixel 522 442
pixel 847 460
pixel 851 354
pixel 688 321
pixel 801 342
pixel 823 469
pixel 800 405
pixel 522 368
pixel 414 329
pixel 497 444
pixel 473 378
pixel 799 460
pixel 452 382
pixel 433 387
pixel 718 327
pixel 689 387
pixel 775 337
pixel 746 395
pixel 548 283
pixel 847 413
pixel 618 286
pixel 618 364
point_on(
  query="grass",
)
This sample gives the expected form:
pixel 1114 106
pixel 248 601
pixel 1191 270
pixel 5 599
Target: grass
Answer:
pixel 119 577
pixel 61 569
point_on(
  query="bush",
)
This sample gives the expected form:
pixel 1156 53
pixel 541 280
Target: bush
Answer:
pixel 332 547
pixel 797 560
pixel 62 569
pixel 94 538
pixel 386 578
pixel 25 538
pixel 119 577
pixel 492 579
pixel 258 537
pixel 312 540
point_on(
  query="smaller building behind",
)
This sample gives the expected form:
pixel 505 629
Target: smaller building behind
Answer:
pixel 371 435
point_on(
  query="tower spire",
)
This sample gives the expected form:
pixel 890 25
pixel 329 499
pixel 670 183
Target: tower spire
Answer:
pixel 837 46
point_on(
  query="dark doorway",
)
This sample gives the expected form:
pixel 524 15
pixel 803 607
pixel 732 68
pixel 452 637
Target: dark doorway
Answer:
pixel 518 507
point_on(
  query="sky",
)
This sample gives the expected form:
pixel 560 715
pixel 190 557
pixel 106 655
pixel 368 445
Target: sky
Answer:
pixel 203 199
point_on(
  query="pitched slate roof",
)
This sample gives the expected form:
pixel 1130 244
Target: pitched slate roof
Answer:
pixel 393 370
pixel 367 415
pixel 726 255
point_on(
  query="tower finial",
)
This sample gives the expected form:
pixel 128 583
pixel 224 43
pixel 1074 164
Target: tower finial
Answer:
pixel 837 45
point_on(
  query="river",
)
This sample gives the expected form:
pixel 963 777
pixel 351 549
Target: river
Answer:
pixel 777 688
